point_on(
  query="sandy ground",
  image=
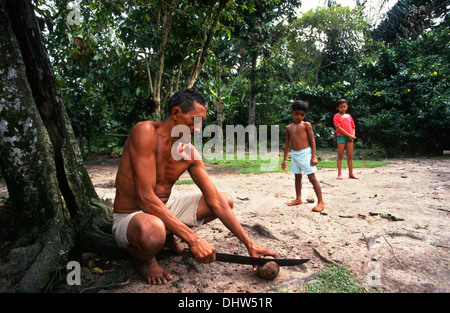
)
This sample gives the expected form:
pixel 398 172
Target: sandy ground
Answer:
pixel 409 255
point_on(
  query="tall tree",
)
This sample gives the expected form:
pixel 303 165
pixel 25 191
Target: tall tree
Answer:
pixel 256 26
pixel 324 41
pixel 54 204
pixel 165 12
pixel 210 27
pixel 176 38
pixel 409 18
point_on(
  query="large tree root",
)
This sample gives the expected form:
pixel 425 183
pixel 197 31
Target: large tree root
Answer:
pixel 30 268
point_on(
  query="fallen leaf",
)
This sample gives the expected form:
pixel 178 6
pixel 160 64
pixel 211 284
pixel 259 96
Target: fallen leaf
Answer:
pixel 97 270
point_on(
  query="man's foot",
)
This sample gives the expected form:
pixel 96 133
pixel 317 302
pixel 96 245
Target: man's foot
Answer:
pixel 339 177
pixel 295 202
pixel 319 207
pixel 152 272
pixel 173 244
pixel 353 177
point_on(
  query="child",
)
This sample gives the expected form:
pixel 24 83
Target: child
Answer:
pixel 300 138
pixel 345 128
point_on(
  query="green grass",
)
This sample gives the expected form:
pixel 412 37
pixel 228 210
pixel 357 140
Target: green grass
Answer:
pixel 356 164
pixel 248 166
pixel 185 182
pixel 334 279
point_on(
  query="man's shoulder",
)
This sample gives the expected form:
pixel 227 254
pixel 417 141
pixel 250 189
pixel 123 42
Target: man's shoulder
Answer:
pixel 143 134
pixel 144 127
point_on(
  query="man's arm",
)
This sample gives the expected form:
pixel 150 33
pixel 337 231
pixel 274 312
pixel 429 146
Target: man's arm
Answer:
pixel 142 149
pixel 220 208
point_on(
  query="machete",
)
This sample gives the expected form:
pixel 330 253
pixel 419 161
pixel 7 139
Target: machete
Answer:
pixel 243 259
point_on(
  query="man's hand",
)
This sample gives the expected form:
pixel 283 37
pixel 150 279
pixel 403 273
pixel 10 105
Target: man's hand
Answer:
pixel 203 251
pixel 314 161
pixel 259 252
pixel 283 164
pixel 352 137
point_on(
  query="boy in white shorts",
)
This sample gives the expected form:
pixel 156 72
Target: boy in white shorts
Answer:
pixel 300 139
pixel 301 162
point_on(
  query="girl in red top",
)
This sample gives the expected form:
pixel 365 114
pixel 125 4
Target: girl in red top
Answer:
pixel 345 128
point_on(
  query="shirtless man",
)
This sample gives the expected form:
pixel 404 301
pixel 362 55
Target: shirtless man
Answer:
pixel 144 218
pixel 300 139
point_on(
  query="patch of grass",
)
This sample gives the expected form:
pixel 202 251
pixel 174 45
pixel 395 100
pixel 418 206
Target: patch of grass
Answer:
pixel 185 182
pixel 356 164
pixel 258 166
pixel 334 279
pixel 248 166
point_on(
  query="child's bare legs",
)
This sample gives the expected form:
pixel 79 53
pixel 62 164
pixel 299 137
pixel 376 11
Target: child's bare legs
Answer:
pixel 318 190
pixel 349 150
pixel 348 147
pixel 298 191
pixel 341 148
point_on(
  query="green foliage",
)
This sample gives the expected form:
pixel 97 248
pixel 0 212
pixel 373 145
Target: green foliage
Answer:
pixel 100 80
pixel 254 61
pixel 398 93
pixel 322 107
pixel 261 55
pixel 409 18
pixel 326 43
pixel 401 98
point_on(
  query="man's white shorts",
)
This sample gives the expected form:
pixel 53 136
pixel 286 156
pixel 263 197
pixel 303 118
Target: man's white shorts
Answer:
pixel 184 208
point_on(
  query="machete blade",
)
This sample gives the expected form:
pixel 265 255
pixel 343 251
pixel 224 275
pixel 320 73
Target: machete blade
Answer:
pixel 243 259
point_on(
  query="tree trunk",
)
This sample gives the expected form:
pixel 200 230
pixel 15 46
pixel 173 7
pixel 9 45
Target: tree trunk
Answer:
pixel 206 46
pixel 167 11
pixel 55 206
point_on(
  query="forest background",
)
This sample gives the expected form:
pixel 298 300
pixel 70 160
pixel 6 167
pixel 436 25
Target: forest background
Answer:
pixel 117 63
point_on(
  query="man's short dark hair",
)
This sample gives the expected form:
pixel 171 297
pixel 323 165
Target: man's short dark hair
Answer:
pixel 299 105
pixel 185 100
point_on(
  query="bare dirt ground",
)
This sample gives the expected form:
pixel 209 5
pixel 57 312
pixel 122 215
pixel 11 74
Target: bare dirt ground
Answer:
pixel 406 255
